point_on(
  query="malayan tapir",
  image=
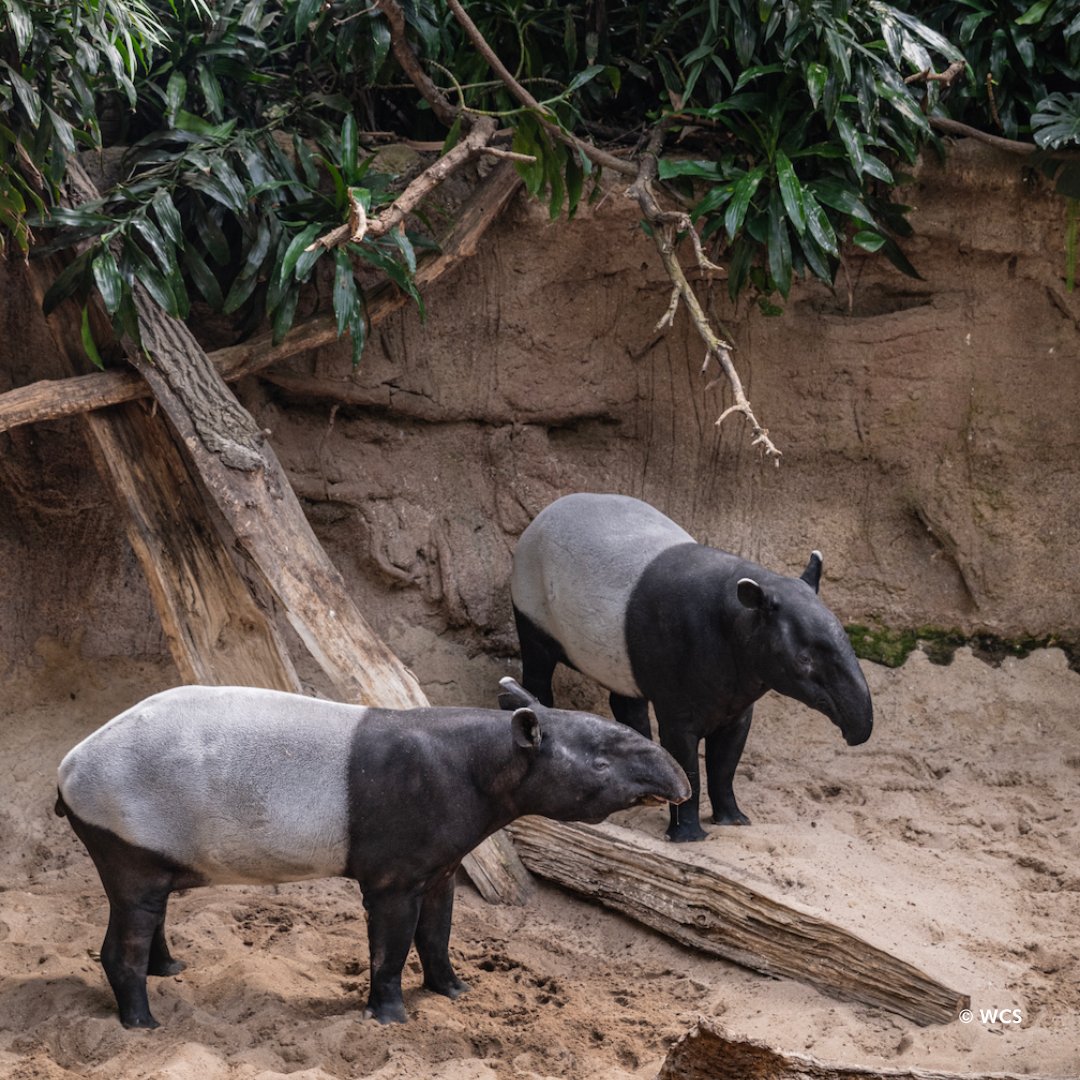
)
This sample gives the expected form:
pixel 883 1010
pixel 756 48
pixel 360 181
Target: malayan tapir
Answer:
pixel 207 785
pixel 611 587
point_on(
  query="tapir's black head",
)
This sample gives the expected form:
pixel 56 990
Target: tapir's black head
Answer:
pixel 799 648
pixel 581 767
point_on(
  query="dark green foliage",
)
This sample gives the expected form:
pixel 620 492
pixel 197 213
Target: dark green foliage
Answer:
pixel 788 124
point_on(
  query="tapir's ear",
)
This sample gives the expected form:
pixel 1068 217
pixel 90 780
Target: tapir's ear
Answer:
pixel 526 728
pixel 514 695
pixel 812 574
pixel 751 594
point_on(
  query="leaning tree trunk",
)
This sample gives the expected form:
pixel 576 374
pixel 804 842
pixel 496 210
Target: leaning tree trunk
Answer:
pixel 242 496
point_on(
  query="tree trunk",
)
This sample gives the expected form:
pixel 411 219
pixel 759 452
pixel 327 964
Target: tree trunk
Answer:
pixel 700 907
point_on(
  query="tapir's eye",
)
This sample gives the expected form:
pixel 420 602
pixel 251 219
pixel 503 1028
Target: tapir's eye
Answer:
pixel 804 660
pixel 601 764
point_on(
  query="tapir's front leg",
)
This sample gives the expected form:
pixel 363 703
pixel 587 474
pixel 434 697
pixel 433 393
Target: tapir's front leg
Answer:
pixel 433 939
pixel 392 920
pixel 723 749
pixel 681 743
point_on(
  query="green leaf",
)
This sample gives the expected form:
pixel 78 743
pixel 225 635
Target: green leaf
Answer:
pixel 818 224
pixel 404 245
pixel 791 191
pixel 582 77
pixel 71 278
pixel 22 25
pixel 306 11
pixel 707 170
pixel 108 280
pixel 1034 14
pixel 358 332
pixel 816 77
pixel 27 95
pixel 869 240
pixel 203 277
pixel 168 217
pixel 163 252
pixel 210 232
pixel 296 249
pixel 345 298
pixel 779 246
pixel 575 183
pixel 349 151
pixel 285 312
pixel 212 92
pixel 899 259
pixel 852 143
pixel 840 197
pixel 175 94
pixel 740 200
pixel 153 280
pixel 89 344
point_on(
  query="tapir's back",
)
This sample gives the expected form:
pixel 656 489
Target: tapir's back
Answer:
pixel 236 783
pixel 574 569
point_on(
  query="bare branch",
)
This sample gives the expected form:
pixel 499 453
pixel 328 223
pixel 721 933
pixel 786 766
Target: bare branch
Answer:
pixel 593 153
pixel 946 77
pixel 954 127
pixel 403 53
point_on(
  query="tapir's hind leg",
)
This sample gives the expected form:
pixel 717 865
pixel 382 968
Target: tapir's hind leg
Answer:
pixel 540 655
pixel 138 883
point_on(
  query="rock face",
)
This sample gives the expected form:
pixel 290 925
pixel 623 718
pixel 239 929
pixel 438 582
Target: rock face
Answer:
pixel 928 429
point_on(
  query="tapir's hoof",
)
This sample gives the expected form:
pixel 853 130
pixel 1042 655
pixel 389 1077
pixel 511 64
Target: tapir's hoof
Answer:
pixel 393 1013
pixel 173 967
pixel 730 817
pixel 685 834
pixel 140 1023
pixel 453 989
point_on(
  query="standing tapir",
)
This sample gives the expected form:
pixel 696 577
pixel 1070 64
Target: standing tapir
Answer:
pixel 210 785
pixel 613 588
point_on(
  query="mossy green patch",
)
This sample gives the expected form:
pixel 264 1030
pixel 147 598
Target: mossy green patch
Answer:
pixel 891 646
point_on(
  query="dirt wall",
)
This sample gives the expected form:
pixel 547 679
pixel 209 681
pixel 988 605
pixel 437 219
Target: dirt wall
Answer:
pixel 928 429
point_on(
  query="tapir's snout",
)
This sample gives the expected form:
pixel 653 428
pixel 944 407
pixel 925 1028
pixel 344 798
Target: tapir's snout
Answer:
pixel 858 735
pixel 858 724
pixel 674 786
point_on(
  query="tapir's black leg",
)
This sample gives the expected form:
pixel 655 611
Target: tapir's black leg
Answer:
pixel 392 923
pixel 125 953
pixel 633 712
pixel 723 748
pixel 540 655
pixel 682 745
pixel 433 940
pixel 162 961
pixel 137 883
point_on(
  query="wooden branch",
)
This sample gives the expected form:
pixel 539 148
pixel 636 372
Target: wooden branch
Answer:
pixel 665 226
pixel 700 907
pixel 593 153
pixel 707 1052
pixel 954 127
pixel 444 111
pixel 945 77
pixel 53 399
pixel 473 143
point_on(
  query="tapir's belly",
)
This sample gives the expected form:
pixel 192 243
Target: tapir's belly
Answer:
pixel 575 568
pixel 237 798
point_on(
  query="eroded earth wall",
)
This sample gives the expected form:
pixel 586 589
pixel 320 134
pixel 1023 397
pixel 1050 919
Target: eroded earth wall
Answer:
pixel 929 431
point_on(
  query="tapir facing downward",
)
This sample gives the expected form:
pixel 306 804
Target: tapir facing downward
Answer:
pixel 211 785
pixel 611 587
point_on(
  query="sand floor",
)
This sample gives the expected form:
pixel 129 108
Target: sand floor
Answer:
pixel 952 838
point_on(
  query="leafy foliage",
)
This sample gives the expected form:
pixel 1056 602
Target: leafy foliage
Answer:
pixel 54 60
pixel 788 125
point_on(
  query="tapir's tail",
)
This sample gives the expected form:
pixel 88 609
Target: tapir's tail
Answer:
pixel 61 807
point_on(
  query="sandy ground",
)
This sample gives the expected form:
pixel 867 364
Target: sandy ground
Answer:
pixel 951 837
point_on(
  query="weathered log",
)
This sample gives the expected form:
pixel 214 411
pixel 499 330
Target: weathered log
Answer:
pixel 700 907
pixel 250 494
pixel 51 399
pixel 215 629
pixel 706 1052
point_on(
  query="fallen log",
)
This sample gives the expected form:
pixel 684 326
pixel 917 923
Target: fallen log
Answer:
pixel 52 399
pixel 706 1052
pixel 699 906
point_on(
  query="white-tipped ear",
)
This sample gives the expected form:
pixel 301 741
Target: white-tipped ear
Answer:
pixel 514 695
pixel 526 728
pixel 812 574
pixel 750 593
